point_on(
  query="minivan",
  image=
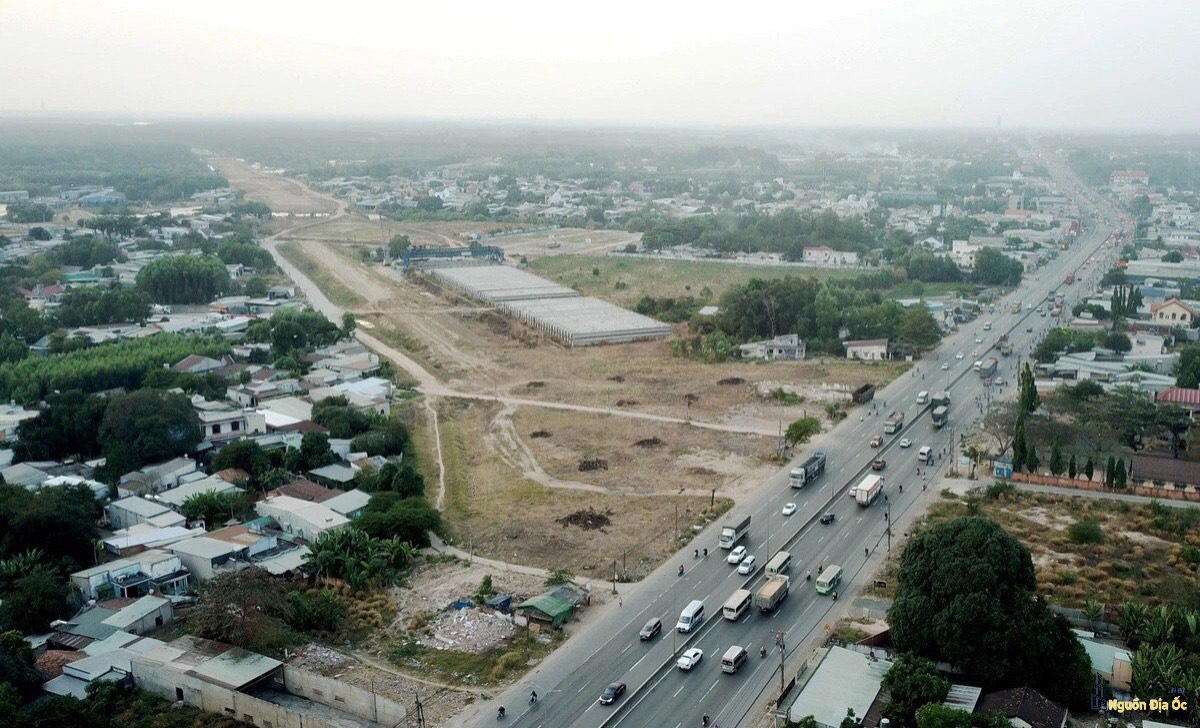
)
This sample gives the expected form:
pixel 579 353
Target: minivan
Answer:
pixel 733 659
pixel 692 615
pixel 977 365
pixel 923 397
pixel 925 455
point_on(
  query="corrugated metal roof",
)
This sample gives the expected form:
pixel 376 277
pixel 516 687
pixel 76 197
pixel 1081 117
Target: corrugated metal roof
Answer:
pixel 843 679
pixel 1179 395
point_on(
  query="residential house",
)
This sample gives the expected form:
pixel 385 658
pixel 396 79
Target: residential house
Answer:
pixel 24 474
pixel 824 255
pixel 867 350
pixel 788 346
pixel 333 475
pixel 1113 663
pixel 156 478
pixel 258 690
pixel 281 292
pixel 176 497
pixel 1186 399
pixel 133 576
pixel 350 503
pixel 135 539
pixel 230 424
pixel 963 254
pixel 204 556
pixel 302 518
pixel 1025 708
pixel 842 679
pixel 11 416
pixel 1173 313
pixel 305 490
pixel 136 510
pixel 106 198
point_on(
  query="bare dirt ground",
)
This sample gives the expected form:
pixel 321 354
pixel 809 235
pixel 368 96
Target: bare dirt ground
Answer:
pixel 279 193
pixel 508 515
pixel 564 241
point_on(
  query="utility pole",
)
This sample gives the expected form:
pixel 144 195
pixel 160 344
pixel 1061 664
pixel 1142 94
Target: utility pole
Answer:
pixel 888 516
pixel 779 641
pixel 676 523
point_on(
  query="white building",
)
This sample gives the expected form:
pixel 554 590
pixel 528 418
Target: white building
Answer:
pixel 134 576
pixel 133 510
pixel 302 518
pixel 867 350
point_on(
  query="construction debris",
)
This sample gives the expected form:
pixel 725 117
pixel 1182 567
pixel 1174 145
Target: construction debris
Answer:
pixel 470 630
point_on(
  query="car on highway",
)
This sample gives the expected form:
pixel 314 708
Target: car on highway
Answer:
pixel 877 441
pixel 978 339
pixel 827 518
pixel 1029 307
pixel 906 442
pixel 1029 329
pixel 999 381
pixel 878 464
pixel 789 509
pixel 748 565
pixel 690 658
pixel 945 365
pixel 959 355
pixel 612 692
pixel 736 556
pixel 652 629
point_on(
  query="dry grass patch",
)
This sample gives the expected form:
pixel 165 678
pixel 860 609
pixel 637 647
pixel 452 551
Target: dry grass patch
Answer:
pixel 280 193
pixel 337 291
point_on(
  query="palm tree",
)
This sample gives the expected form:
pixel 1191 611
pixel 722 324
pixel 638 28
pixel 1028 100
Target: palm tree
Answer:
pixel 1156 670
pixel 1160 626
pixel 1133 621
pixel 1093 610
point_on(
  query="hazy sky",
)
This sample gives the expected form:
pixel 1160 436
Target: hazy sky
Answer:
pixel 1047 63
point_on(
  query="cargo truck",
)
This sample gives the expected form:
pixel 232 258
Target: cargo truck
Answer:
pixel 807 471
pixel 1015 308
pixel 863 394
pixel 731 532
pixel 772 593
pixel 988 368
pixel 893 423
pixel 1004 345
pixel 867 490
pixel 1070 278
pixel 940 399
pixel 940 415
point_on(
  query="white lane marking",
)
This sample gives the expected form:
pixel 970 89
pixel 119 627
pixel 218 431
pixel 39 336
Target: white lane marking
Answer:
pixel 627 648
pixel 680 690
pixel 706 692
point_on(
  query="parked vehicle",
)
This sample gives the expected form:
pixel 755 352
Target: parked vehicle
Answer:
pixel 807 471
pixel 772 593
pixel 733 532
pixel 867 490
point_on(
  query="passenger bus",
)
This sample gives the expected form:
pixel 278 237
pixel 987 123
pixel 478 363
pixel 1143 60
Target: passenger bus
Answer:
pixel 829 579
pixel 779 563
pixel 737 605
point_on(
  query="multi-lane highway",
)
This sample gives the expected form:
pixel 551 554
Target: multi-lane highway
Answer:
pixel 659 694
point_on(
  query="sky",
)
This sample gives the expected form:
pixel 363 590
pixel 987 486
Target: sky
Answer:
pixel 1055 64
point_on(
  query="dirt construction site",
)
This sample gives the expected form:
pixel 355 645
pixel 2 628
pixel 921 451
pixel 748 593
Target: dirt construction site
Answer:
pixel 568 457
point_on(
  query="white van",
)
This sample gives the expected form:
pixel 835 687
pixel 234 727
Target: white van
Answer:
pixel 692 615
pixel 922 397
pixel 925 455
pixel 737 605
pixel 779 563
pixel 733 659
pixel 977 365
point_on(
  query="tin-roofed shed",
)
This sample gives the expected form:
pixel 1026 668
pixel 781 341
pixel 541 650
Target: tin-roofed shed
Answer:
pixel 547 609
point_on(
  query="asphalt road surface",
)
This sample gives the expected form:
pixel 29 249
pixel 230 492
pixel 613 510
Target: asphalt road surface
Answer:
pixel 661 695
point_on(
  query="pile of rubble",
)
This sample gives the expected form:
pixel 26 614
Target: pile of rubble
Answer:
pixel 470 630
pixel 317 658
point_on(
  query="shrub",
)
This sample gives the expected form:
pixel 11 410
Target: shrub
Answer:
pixel 1086 531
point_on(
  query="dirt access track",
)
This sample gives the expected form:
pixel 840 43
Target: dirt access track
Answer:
pixel 281 194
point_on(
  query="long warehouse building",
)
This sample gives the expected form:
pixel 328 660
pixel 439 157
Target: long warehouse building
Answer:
pixel 555 309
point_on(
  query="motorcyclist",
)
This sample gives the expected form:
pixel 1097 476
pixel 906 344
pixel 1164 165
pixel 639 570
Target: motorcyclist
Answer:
pixel 706 553
pixel 762 651
pixel 532 697
pixel 809 577
pixel 681 569
pixel 500 713
pixel 696 553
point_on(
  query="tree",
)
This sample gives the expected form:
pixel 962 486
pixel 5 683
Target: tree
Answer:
pixel 314 452
pixel 147 426
pixel 850 721
pixel 1118 342
pixel 288 337
pixel 1093 610
pixel 1020 449
pixel 409 519
pixel 65 426
pixel 58 522
pixel 912 682
pixel 184 279
pixel 965 595
pixel 994 268
pixel 1110 471
pixel 918 330
pixel 429 203
pixel 243 454
pixel 802 430
pixel 1071 470
pixel 1056 460
pixel 16 665
pixel 33 601
pixel 214 508
pixel 936 715
pixel 94 306
pixel 242 608
pixel 348 325
pixel 1119 474
pixel 397 245
pixel 1032 461
pixel 1089 468
pixel 336 415
pixel 1028 390
pixel 1173 256
pixel 1000 424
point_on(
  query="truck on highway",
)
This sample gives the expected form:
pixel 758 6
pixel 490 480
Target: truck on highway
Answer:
pixel 772 593
pixel 863 394
pixel 807 471
pixel 867 490
pixel 1004 345
pixel 732 532
pixel 1070 278
pixel 893 423
pixel 988 368
pixel 940 399
pixel 940 415
pixel 1015 307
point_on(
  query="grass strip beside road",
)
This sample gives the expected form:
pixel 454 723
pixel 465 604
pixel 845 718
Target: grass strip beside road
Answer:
pixel 329 285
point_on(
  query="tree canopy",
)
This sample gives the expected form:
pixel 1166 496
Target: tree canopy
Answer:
pixel 147 426
pixel 184 279
pixel 967 595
